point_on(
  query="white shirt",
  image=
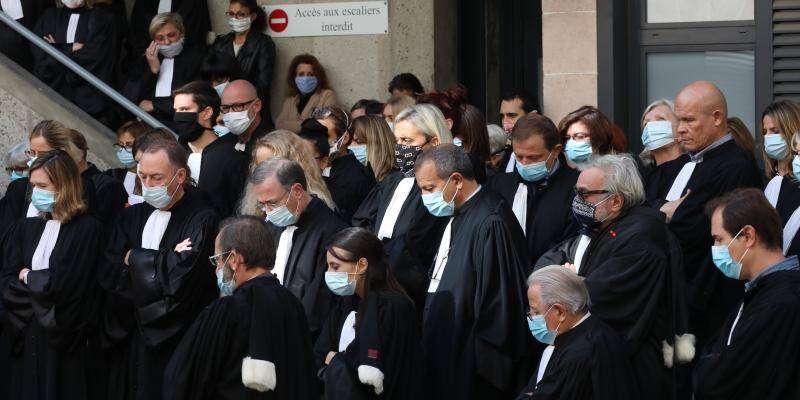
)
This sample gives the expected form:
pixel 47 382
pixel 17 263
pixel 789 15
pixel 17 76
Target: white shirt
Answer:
pixel 195 160
pixel 13 8
pixel 72 27
pixel 164 84
pixel 41 257
pixel 401 192
pixel 348 331
pixel 520 206
pixel 283 251
pixel 164 6
pixel 580 251
pixel 154 229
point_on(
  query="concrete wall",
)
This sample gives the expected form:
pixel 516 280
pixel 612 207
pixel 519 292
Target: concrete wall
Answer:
pixel 569 55
pixel 357 66
pixel 24 101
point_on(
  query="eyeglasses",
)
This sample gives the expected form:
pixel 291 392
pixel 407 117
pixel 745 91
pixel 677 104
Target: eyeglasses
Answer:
pixel 171 36
pixel 236 107
pixel 238 15
pixel 582 193
pixel 271 205
pixel 214 258
pixel 118 147
pixel 578 136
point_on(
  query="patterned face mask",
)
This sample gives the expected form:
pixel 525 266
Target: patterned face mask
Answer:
pixel 406 156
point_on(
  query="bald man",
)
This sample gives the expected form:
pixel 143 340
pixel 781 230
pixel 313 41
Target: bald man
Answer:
pixel 241 112
pixel 716 166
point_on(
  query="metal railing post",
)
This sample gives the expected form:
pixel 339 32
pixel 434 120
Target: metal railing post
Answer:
pixel 76 68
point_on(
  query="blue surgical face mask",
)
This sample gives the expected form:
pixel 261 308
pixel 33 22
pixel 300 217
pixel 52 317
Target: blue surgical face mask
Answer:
pixel 796 166
pixel 722 259
pixel 538 326
pixel 775 146
pixel 436 204
pixel 43 200
pixel 158 196
pixel 578 150
pixel 657 134
pixel 339 282
pixel 306 84
pixel 457 142
pixel 225 287
pixel 535 171
pixel 125 157
pixel 221 130
pixel 18 175
pixel 281 216
pixel 30 162
pixel 360 152
pixel 221 87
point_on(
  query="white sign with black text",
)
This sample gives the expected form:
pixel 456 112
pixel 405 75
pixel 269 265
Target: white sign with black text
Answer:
pixel 327 19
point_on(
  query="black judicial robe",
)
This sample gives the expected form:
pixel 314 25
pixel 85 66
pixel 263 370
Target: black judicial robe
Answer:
pixel 150 303
pixel 710 294
pixel 349 183
pixel 549 213
pixel 788 201
pixel 97 33
pixel 476 341
pixel 223 171
pixel 142 81
pixel 657 180
pixel 632 270
pixel 12 44
pixel 394 321
pixel 195 18
pixel 262 320
pixel 585 364
pixel 763 359
pixel 415 238
pixel 52 322
pixel 304 274
pixel 256 60
pixel 15 203
pixel 110 195
pixel 260 131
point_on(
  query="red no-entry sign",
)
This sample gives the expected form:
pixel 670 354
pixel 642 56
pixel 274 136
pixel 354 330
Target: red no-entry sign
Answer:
pixel 278 20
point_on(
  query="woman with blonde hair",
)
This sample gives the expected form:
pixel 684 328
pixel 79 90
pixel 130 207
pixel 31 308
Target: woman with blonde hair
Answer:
pixel 780 126
pixel 284 143
pixel 416 129
pixel 662 157
pixel 49 288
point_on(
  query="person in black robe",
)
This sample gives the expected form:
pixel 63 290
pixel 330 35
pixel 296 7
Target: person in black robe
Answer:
pixel 156 273
pixel 221 170
pixel 347 179
pixel 254 341
pixel 662 157
pixel 50 294
pixel 194 14
pixel 475 341
pixel 12 44
pixel 255 55
pixel 150 83
pixel 92 46
pixel 657 180
pixel 238 96
pixel 755 354
pixel 541 188
pixel 719 167
pixel 582 360
pixel 787 204
pixel 632 268
pixel 369 347
pixel 302 225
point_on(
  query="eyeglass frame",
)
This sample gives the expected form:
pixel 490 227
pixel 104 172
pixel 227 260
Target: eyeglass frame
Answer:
pixel 236 107
pixel 582 194
pixel 213 259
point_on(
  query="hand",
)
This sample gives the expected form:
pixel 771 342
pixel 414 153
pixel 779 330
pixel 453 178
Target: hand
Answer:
pixel 670 207
pixel 23 274
pixel 50 39
pixel 185 245
pixel 151 54
pixel 571 267
pixel 76 46
pixel 329 357
pixel 127 255
pixel 146 105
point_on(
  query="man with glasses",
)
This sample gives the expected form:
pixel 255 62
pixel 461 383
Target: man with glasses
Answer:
pixel 302 225
pixel 241 114
pixel 632 267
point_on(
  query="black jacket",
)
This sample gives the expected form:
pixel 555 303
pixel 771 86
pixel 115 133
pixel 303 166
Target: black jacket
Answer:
pixel 256 59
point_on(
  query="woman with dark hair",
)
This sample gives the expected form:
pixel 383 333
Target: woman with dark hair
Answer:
pixel 253 49
pixel 49 290
pixel 337 121
pixel 307 89
pixel 370 346
pixel 587 132
pixel 474 137
pixel 450 102
pixel 405 84
pixel 126 137
pixel 220 69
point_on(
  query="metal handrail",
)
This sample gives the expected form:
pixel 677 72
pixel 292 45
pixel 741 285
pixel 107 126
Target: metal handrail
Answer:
pixel 80 71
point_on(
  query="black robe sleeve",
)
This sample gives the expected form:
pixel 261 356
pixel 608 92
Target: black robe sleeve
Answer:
pixel 559 255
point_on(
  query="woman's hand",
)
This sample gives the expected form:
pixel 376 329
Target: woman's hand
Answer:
pixel 146 105
pixel 23 275
pixel 152 58
pixel 329 357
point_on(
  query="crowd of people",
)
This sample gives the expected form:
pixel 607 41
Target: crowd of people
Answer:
pixel 399 250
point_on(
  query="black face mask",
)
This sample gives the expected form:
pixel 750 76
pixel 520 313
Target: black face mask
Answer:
pixel 186 125
pixel 406 156
pixel 584 214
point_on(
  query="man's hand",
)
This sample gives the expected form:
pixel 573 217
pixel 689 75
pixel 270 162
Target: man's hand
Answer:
pixel 146 105
pixel 329 357
pixel 571 267
pixel 50 39
pixel 23 275
pixel 670 207
pixel 185 245
pixel 76 46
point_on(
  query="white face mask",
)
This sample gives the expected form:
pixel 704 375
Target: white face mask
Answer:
pixel 72 4
pixel 239 25
pixel 237 121
pixel 171 50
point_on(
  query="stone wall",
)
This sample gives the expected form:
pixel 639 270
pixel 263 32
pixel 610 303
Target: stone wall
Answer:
pixel 24 101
